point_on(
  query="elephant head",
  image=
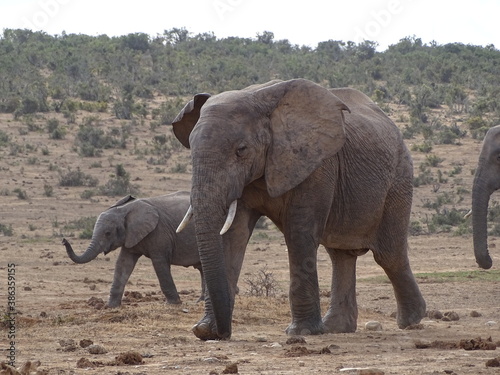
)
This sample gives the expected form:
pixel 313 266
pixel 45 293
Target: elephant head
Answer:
pixel 277 133
pixel 123 224
pixel 486 181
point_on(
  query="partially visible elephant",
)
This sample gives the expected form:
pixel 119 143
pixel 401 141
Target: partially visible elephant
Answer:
pixel 327 167
pixel 144 227
pixel 486 181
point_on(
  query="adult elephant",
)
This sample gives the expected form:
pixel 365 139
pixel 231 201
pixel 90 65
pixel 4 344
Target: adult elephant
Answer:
pixel 327 167
pixel 486 181
pixel 144 227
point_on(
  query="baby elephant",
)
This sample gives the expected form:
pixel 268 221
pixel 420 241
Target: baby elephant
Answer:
pixel 144 227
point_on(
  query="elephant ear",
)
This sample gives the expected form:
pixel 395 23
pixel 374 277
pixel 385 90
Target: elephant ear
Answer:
pixel 187 118
pixel 126 199
pixel 307 126
pixel 140 220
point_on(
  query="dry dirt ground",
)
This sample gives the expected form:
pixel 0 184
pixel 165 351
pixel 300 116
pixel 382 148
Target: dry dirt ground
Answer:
pixel 58 302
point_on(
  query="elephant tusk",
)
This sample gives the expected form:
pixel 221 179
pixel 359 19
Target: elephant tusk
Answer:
pixel 230 217
pixel 468 214
pixel 185 220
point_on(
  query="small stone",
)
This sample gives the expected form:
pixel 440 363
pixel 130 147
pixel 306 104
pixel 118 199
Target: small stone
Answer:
pixel 129 358
pixel 475 314
pixel 435 314
pixel 96 349
pixel 85 343
pixel 495 362
pixel 450 316
pixel 84 363
pixel 302 363
pixel 231 369
pixel 490 323
pixel 273 345
pixel 373 326
pixel 68 345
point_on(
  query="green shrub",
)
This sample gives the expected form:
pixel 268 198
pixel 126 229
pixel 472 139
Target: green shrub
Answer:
pixel 87 194
pixel 425 147
pixel 85 224
pixel 444 220
pixel 433 160
pixel 424 177
pixel 4 138
pixel 91 140
pixel 48 190
pixel 77 178
pixel 21 194
pixel 119 185
pixel 6 230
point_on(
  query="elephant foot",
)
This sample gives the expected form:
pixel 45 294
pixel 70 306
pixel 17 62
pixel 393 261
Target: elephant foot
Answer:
pixel 411 314
pixel 340 323
pixel 305 328
pixel 205 330
pixel 113 304
pixel 174 301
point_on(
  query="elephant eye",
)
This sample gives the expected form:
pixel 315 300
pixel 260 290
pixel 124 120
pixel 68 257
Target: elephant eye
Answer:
pixel 240 151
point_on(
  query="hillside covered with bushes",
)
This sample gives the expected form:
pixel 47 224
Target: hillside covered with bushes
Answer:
pixel 106 98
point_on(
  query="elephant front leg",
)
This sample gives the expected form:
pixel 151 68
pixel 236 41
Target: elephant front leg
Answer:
pixel 167 285
pixel 123 269
pixel 342 315
pixel 304 294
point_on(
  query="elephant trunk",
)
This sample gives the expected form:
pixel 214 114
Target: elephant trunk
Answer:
pixel 480 198
pixel 210 210
pixel 89 254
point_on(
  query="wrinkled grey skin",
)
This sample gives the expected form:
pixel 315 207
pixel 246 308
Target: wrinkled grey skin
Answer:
pixel 327 167
pixel 144 227
pixel 486 181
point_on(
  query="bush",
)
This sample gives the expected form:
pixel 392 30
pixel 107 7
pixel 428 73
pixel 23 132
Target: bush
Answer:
pixel 119 185
pixel 263 284
pixel 91 139
pixel 4 138
pixel 21 194
pixel 48 190
pixel 85 224
pixel 6 230
pixel 444 220
pixel 77 178
pixel 55 130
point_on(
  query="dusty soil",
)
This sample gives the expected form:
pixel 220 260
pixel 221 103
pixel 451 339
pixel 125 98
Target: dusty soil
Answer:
pixel 61 323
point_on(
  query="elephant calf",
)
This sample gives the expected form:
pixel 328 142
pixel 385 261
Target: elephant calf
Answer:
pixel 144 227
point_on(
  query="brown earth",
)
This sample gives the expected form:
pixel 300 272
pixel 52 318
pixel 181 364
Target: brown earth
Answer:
pixel 59 304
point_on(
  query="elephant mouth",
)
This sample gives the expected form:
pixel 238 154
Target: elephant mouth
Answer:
pixel 106 252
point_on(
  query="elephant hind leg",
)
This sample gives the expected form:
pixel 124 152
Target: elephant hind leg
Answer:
pixel 411 306
pixel 391 254
pixel 342 314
